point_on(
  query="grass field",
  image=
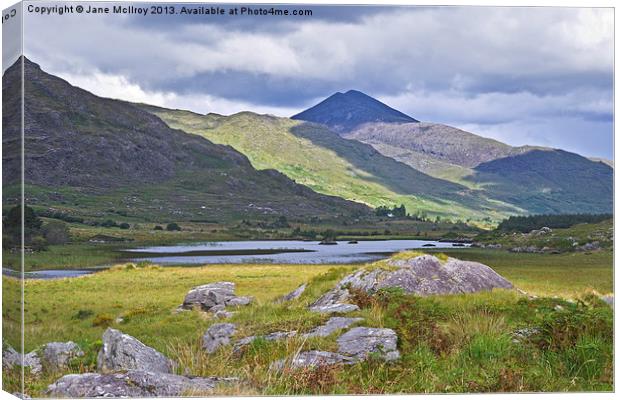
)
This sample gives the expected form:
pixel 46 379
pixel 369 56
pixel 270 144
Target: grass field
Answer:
pixel 458 343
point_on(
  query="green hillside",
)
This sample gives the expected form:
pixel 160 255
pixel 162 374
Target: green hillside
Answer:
pixel 320 159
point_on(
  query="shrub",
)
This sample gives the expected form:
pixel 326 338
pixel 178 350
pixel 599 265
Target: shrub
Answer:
pixel 56 233
pixel 124 225
pixel 104 320
pixel 158 228
pixel 83 314
pixel 173 227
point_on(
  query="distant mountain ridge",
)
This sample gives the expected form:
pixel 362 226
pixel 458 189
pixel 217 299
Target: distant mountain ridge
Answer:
pixel 343 112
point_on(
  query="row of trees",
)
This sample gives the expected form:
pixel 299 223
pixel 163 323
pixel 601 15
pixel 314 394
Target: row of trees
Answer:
pixel 530 222
pixel 36 234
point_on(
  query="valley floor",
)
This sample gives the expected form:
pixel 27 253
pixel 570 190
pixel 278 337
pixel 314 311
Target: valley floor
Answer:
pixel 458 343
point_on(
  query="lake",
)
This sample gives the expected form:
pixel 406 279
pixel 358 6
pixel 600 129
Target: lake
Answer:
pixel 278 252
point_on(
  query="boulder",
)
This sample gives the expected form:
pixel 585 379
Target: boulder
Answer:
pixel 360 342
pixel 216 336
pixel 271 337
pixel 334 324
pixel 213 297
pixel 312 359
pixel 421 275
pixel 121 352
pixel 132 383
pixel 293 295
pixel 57 355
pixel 336 308
pixel 31 361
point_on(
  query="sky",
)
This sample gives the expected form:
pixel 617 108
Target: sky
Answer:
pixel 537 76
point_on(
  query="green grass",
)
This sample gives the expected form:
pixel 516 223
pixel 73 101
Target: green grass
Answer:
pixel 458 343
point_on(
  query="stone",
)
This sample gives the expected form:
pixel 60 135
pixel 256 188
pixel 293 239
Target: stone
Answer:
pixel 312 359
pixel 332 325
pixel 121 352
pixel 295 294
pixel 609 299
pixel 31 361
pixel 214 297
pixel 421 275
pixel 223 314
pixel 57 355
pixel 589 246
pixel 216 336
pixel 340 308
pixel 133 383
pixel 360 342
pixel 271 337
pixel 523 334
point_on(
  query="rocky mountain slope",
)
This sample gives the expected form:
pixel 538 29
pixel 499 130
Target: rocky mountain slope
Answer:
pixel 80 148
pixel 342 112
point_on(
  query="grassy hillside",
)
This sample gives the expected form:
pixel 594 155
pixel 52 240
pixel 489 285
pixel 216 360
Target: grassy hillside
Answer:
pixel 320 159
pixel 457 343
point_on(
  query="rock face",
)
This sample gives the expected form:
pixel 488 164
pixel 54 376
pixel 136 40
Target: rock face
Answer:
pixel 312 359
pixel 216 336
pixel 294 294
pixel 218 295
pixel 360 342
pixel 121 352
pixel 57 355
pixel 422 275
pixel 334 324
pixel 130 384
pixel 31 361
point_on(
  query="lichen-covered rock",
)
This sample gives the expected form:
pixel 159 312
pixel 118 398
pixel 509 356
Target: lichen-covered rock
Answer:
pixel 361 341
pixel 57 355
pixel 271 337
pixel 31 361
pixel 294 294
pixel 214 297
pixel 332 325
pixel 312 359
pixel 121 352
pixel 336 308
pixel 216 336
pixel 422 275
pixel 130 384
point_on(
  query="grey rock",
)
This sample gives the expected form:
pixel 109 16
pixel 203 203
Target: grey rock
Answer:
pixel 214 297
pixel 223 314
pixel 334 324
pixel 422 275
pixel 523 334
pixel 609 299
pixel 31 361
pixel 216 336
pixel 589 246
pixel 340 308
pixel 121 352
pixel 295 294
pixel 132 383
pixel 239 301
pixel 312 359
pixel 57 355
pixel 271 337
pixel 360 342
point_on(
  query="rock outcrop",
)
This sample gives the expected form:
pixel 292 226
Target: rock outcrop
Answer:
pixel 293 295
pixel 31 361
pixel 121 352
pixel 312 359
pixel 332 325
pixel 216 336
pixel 420 275
pixel 360 342
pixel 131 384
pixel 57 355
pixel 218 295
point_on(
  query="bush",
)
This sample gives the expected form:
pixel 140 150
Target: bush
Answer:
pixel 124 225
pixel 104 320
pixel 158 228
pixel 56 233
pixel 173 227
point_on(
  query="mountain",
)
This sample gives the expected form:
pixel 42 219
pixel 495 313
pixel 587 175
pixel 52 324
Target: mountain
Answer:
pixel 343 112
pixel 532 179
pixel 88 154
pixel 317 157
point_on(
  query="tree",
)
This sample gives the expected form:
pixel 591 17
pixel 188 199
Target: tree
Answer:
pixel 13 224
pixel 173 227
pixel 56 233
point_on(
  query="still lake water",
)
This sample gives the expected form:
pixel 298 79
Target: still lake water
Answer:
pixel 287 252
pixel 265 252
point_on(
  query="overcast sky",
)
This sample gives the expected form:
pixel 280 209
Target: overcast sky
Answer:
pixel 539 76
